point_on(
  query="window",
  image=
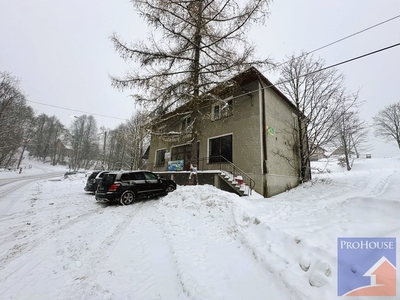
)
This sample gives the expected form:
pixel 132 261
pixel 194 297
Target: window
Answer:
pixel 160 158
pixel 222 110
pixel 186 125
pixel 221 146
pixel 217 116
pixel 161 129
pixel 295 122
pixel 132 176
pixel 150 176
pixel 184 153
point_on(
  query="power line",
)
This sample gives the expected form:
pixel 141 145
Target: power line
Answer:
pixel 80 111
pixel 337 41
pixel 322 69
pixel 278 83
pixel 352 59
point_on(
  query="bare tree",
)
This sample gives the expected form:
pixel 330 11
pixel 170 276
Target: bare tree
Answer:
pixel 84 140
pixel 387 123
pixel 137 139
pixel 28 129
pixel 196 45
pixel 48 132
pixel 12 104
pixel 351 132
pixel 317 95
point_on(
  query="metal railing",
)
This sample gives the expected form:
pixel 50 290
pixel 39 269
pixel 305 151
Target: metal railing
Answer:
pixel 223 164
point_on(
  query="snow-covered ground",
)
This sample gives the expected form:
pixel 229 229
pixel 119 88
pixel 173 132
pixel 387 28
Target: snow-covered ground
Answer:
pixel 196 243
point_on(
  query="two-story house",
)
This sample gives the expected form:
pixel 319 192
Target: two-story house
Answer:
pixel 251 124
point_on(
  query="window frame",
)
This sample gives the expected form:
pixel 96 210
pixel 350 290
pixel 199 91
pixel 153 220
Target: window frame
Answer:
pixel 160 163
pixel 209 150
pixel 185 124
pixel 295 122
pixel 223 112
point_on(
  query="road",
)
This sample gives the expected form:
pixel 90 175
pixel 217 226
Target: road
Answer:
pixel 17 185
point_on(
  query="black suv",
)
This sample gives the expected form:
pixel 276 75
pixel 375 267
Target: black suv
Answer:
pixel 127 186
pixel 93 181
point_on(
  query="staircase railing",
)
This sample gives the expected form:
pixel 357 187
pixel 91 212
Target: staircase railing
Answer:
pixel 224 164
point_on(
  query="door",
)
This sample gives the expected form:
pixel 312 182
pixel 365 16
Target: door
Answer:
pixel 154 184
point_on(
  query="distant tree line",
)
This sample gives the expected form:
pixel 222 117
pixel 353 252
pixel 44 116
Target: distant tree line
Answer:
pixel 46 139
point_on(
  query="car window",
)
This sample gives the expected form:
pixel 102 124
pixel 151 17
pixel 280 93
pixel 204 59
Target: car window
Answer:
pixel 108 178
pixel 139 176
pixel 150 176
pixel 101 175
pixel 93 175
pixel 125 177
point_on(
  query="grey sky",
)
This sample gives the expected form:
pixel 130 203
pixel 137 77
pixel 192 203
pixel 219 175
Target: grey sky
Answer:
pixel 61 51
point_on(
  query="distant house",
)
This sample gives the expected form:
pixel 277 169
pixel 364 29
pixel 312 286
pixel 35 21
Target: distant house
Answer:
pixel 63 151
pixel 340 151
pixel 318 154
pixel 252 128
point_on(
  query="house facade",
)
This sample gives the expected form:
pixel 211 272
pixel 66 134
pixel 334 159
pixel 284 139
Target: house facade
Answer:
pixel 252 125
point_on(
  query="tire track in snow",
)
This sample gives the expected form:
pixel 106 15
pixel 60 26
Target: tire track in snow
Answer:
pixel 148 267
pixel 30 236
pixel 378 185
pixel 79 262
pixel 199 231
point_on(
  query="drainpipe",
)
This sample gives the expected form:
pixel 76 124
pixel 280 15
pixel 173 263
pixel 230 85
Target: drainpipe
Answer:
pixel 264 139
pixel 264 127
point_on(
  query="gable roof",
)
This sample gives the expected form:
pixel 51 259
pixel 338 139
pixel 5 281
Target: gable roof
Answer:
pixel 232 84
pixel 246 77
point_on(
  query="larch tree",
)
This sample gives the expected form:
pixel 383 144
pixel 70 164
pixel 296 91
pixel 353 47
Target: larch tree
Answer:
pixel 387 123
pixel 195 45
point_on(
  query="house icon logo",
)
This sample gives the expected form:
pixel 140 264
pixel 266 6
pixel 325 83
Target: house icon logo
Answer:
pixel 367 266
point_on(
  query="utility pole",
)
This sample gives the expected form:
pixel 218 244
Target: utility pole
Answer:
pixel 104 150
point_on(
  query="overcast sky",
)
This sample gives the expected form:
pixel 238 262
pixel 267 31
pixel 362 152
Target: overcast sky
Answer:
pixel 62 53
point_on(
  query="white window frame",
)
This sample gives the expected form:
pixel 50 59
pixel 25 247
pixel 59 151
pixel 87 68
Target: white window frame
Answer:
pixel 224 109
pixel 187 121
pixel 295 122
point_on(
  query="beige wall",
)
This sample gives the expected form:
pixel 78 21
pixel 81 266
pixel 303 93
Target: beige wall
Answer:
pixel 245 125
pixel 282 151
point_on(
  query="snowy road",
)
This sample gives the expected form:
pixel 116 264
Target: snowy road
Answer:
pixel 196 243
pixel 8 185
pixel 60 244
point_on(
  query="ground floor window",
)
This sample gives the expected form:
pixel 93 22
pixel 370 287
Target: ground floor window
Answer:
pixel 220 146
pixel 160 158
pixel 184 153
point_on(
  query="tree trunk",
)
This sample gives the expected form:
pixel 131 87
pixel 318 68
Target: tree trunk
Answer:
pixel 21 156
pixel 196 90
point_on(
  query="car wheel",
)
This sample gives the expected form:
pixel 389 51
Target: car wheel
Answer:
pixel 169 189
pixel 127 198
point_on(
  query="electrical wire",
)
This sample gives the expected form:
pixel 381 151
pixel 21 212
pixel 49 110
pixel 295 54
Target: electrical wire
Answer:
pixel 320 70
pixel 325 46
pixel 335 42
pixel 80 111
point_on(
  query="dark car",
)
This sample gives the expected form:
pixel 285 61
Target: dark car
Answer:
pixel 93 181
pixel 128 186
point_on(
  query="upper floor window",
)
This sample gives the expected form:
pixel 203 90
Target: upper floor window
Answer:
pixel 186 125
pixel 295 121
pixel 222 109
